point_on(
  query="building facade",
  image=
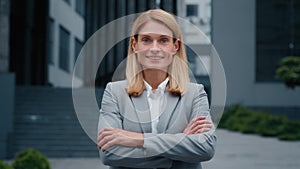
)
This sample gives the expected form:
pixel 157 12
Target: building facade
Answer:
pixel 251 37
pixel 196 29
pixel 66 35
pixel 44 37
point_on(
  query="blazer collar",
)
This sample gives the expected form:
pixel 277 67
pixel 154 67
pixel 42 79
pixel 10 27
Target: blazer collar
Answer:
pixel 170 103
pixel 142 109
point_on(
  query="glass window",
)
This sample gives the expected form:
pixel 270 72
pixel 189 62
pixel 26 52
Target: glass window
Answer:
pixel 50 41
pixel 78 46
pixel 64 49
pixel 276 35
pixel 192 10
pixel 79 69
pixel 80 7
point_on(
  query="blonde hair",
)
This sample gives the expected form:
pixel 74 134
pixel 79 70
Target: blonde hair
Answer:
pixel 178 70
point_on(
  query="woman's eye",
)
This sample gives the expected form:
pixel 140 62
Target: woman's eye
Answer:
pixel 145 40
pixel 164 40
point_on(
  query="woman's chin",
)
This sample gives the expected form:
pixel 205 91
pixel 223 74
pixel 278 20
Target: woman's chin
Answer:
pixel 155 67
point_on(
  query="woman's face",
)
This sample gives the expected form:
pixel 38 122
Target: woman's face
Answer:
pixel 155 46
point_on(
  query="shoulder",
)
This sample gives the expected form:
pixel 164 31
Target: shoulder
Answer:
pixel 117 87
pixel 121 83
pixel 193 87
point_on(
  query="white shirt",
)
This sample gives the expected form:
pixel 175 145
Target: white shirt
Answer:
pixel 155 101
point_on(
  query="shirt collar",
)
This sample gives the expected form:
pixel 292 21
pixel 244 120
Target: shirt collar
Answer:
pixel 161 87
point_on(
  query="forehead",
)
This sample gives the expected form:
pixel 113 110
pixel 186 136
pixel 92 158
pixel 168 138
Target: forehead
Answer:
pixel 155 28
pixel 154 35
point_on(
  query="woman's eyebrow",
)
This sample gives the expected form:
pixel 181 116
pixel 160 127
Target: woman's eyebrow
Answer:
pixel 165 36
pixel 149 35
pixel 144 35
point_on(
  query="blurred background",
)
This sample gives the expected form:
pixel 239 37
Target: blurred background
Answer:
pixel 40 41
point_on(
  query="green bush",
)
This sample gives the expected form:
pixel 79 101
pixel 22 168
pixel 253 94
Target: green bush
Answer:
pixel 230 111
pixel 4 166
pixel 239 118
pixel 31 159
pixel 291 131
pixel 289 71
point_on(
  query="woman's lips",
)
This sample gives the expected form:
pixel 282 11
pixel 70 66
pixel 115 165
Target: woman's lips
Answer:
pixel 155 57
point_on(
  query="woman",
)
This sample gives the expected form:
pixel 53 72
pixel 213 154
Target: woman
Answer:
pixel 155 118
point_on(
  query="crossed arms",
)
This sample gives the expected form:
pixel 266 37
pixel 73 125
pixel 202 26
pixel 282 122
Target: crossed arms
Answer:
pixel 124 148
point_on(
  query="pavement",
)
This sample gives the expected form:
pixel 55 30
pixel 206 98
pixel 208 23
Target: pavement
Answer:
pixel 234 151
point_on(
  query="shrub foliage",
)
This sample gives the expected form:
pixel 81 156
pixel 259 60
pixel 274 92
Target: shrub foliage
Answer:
pixel 289 71
pixel 31 159
pixel 4 166
pixel 239 118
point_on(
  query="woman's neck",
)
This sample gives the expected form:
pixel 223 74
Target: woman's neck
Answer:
pixel 154 77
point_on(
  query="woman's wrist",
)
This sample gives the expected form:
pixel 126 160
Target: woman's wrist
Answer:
pixel 139 140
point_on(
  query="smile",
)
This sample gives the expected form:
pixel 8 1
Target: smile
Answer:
pixel 155 57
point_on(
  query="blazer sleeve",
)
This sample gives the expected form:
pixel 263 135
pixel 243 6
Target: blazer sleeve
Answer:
pixel 119 155
pixel 188 148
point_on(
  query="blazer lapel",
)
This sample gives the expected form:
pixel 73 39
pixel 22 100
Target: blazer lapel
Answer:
pixel 142 110
pixel 169 105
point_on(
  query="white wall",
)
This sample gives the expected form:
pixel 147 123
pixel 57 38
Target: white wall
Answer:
pixel 65 15
pixel 193 37
pixel 233 35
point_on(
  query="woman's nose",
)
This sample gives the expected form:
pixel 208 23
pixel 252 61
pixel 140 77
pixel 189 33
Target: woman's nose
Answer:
pixel 155 47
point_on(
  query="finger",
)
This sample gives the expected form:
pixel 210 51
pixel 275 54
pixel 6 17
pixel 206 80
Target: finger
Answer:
pixel 200 122
pixel 191 123
pixel 198 118
pixel 101 135
pixel 203 130
pixel 106 129
pixel 108 144
pixel 187 131
pixel 195 129
pixel 104 134
pixel 101 131
pixel 105 140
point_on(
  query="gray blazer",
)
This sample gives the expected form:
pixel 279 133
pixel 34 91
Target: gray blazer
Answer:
pixel 170 148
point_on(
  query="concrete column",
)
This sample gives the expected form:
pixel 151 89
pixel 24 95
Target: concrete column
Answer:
pixel 4 35
pixel 7 82
pixel 7 98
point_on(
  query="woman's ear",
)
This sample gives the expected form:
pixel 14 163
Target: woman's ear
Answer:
pixel 133 44
pixel 176 46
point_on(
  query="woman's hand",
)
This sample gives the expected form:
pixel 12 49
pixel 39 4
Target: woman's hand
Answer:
pixel 108 137
pixel 198 125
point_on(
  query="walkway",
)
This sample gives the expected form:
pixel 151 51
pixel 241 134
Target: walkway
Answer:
pixel 234 151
